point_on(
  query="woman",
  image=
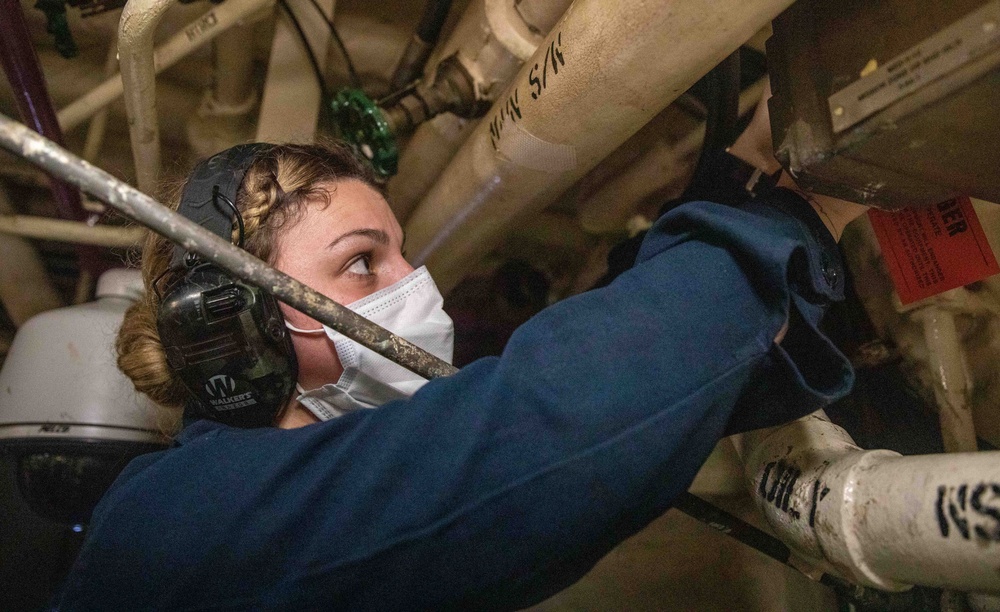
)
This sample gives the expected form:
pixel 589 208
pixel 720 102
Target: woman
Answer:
pixel 500 485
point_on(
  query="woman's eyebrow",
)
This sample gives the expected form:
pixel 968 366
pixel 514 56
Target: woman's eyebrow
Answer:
pixel 375 235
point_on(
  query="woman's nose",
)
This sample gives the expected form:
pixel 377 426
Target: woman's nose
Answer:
pixel 399 268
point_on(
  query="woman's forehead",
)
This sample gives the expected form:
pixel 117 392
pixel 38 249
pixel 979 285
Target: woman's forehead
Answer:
pixel 353 205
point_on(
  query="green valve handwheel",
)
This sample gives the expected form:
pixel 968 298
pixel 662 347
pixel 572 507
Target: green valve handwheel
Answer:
pixel 359 121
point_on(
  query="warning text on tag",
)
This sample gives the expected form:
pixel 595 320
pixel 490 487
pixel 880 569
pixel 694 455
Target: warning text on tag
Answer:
pixel 933 249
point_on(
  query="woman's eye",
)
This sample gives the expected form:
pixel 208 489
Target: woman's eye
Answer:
pixel 361 266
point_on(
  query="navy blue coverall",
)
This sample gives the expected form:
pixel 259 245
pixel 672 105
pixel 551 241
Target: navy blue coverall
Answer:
pixel 500 485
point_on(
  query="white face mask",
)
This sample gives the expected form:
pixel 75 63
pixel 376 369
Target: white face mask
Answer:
pixel 411 308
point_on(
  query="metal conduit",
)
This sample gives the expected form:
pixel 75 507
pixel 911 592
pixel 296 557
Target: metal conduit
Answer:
pixel 601 73
pixel 143 209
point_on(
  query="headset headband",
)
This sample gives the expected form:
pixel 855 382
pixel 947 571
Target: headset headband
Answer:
pixel 224 170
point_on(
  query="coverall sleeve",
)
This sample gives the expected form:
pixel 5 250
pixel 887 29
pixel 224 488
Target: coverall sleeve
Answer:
pixel 500 485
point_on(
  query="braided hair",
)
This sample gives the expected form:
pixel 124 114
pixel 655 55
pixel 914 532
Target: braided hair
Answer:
pixel 276 188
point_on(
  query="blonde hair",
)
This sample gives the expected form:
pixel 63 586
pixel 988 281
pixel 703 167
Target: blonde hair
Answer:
pixel 275 189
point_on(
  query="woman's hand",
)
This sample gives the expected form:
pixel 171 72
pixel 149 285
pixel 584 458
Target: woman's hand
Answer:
pixel 754 147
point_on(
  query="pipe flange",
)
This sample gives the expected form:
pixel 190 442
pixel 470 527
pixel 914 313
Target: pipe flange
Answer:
pixel 358 120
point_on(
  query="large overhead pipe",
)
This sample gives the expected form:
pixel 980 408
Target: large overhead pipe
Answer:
pixel 875 517
pixel 601 74
pixel 663 165
pixel 491 41
pixel 20 64
pixel 143 209
pixel 200 31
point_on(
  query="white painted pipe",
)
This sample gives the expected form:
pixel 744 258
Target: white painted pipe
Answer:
pixel 491 41
pixel 601 74
pixel 663 164
pixel 99 122
pixel 135 56
pixel 25 286
pixel 875 517
pixel 223 117
pixel 61 230
pixel 200 31
pixel 946 359
pixel 290 101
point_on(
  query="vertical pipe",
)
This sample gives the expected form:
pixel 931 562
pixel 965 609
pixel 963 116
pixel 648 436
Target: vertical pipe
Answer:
pixel 20 63
pixel 25 287
pixel 135 52
pixel 99 122
pixel 198 32
pixel 600 75
pixel 290 102
pixel 949 377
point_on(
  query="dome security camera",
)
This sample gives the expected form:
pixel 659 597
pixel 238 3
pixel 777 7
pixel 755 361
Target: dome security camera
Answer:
pixel 68 415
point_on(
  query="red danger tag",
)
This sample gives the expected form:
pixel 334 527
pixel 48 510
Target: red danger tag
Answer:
pixel 933 249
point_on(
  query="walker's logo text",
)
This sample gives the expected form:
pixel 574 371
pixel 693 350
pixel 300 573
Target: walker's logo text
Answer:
pixel 222 390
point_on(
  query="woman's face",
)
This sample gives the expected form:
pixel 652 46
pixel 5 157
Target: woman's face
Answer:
pixel 347 250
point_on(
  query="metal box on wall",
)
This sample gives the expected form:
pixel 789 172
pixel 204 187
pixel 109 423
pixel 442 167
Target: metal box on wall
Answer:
pixel 888 102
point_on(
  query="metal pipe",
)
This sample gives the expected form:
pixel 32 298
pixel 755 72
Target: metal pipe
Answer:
pixel 135 56
pixel 146 211
pixel 662 165
pixel 223 118
pixel 17 55
pixel 950 380
pixel 45 228
pixel 200 31
pixel 290 102
pixel 589 87
pixel 875 517
pixel 490 42
pixel 25 286
pixel 99 123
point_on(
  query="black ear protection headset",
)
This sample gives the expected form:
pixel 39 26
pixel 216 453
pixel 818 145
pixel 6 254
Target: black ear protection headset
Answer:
pixel 225 338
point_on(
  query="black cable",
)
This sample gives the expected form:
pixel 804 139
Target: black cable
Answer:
pixel 236 212
pixel 723 104
pixel 355 80
pixel 722 521
pixel 432 20
pixel 305 41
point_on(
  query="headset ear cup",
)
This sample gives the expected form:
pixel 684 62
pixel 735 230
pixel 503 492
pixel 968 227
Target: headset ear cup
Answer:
pixel 220 334
pixel 225 339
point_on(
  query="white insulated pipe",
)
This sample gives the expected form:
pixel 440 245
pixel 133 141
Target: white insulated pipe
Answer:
pixel 949 375
pixel 609 208
pixel 602 73
pixel 25 286
pixel 200 31
pixel 291 99
pixel 135 56
pixel 875 517
pixel 491 41
pixel 62 230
